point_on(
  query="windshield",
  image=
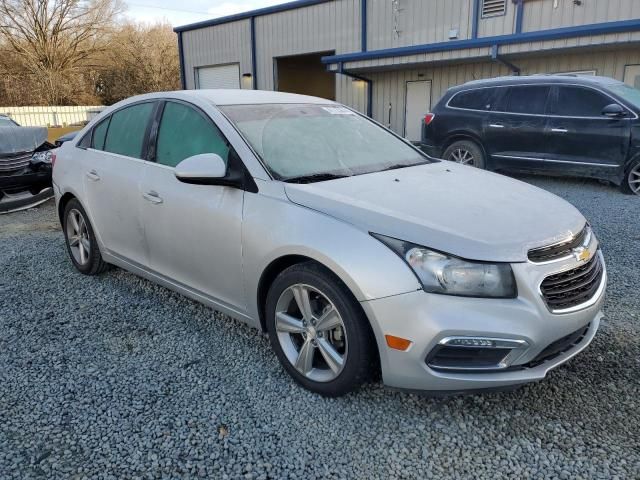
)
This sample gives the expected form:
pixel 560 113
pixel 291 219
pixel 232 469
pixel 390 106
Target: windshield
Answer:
pixel 296 141
pixel 629 94
pixel 7 122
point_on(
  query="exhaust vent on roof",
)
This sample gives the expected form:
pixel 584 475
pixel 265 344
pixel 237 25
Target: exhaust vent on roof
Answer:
pixel 493 8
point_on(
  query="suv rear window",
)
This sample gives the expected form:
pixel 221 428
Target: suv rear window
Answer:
pixel 479 99
pixel 580 102
pixel 528 99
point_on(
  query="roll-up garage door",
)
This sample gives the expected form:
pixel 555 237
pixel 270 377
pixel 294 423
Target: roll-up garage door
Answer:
pixel 220 76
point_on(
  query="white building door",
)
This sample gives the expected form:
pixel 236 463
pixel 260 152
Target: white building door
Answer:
pixel 632 76
pixel 219 76
pixel 418 104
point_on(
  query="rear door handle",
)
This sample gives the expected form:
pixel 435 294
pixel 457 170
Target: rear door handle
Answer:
pixel 496 125
pixel 93 175
pixel 152 197
pixel 559 130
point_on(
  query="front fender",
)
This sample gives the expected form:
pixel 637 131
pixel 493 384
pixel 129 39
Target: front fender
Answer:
pixel 275 227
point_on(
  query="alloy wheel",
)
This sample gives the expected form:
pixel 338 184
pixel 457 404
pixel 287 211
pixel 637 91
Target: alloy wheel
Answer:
pixel 463 156
pixel 78 237
pixel 634 179
pixel 311 332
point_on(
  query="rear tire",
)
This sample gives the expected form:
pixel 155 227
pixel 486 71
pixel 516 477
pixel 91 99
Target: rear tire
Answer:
pixel 82 246
pixel 329 349
pixel 465 152
pixel 631 181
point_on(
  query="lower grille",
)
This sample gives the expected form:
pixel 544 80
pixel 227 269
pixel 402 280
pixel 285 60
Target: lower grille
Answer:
pixel 557 348
pixel 14 163
pixel 573 287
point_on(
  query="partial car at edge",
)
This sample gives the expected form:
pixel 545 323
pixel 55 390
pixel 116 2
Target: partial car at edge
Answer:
pixel 353 250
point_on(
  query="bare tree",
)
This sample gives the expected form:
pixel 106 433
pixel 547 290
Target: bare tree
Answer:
pixel 54 40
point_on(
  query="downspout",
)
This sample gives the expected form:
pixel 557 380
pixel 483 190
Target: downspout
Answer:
pixel 254 69
pixel 183 79
pixel 475 18
pixel 369 83
pixel 363 25
pixel 519 15
pixel 495 56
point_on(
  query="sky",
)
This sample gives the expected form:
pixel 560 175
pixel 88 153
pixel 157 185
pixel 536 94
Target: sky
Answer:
pixel 182 12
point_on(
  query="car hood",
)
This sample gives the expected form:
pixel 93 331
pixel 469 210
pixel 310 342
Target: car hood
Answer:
pixel 452 208
pixel 21 139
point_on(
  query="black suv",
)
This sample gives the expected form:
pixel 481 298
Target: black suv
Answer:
pixel 556 124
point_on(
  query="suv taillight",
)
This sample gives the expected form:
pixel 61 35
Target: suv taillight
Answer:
pixel 428 118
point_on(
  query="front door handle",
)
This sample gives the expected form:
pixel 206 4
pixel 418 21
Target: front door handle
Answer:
pixel 93 175
pixel 559 130
pixel 496 125
pixel 152 197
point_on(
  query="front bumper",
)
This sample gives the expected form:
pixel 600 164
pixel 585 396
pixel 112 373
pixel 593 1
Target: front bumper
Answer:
pixel 426 319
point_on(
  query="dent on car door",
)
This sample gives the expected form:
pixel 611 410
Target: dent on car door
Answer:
pixel 581 138
pixel 113 170
pixel 193 231
pixel 515 130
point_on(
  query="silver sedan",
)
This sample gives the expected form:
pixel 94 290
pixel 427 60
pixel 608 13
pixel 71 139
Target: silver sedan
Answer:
pixel 356 253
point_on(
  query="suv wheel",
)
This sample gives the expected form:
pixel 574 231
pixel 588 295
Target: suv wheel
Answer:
pixel 465 152
pixel 81 241
pixel 318 331
pixel 631 183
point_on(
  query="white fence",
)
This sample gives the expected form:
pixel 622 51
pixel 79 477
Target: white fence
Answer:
pixel 51 116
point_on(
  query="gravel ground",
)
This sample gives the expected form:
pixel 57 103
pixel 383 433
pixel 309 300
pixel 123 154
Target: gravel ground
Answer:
pixel 114 377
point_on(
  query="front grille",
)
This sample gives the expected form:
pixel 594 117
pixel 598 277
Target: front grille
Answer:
pixel 14 163
pixel 559 250
pixel 573 287
pixel 558 347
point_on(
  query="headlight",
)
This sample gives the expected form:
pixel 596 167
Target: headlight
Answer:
pixel 445 274
pixel 41 157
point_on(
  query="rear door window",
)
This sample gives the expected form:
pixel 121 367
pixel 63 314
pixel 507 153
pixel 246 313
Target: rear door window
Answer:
pixel 127 130
pixel 527 99
pixel 480 99
pixel 580 102
pixel 185 132
pixel 100 134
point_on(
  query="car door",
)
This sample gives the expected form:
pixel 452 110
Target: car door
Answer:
pixel 580 136
pixel 514 131
pixel 113 172
pixel 193 231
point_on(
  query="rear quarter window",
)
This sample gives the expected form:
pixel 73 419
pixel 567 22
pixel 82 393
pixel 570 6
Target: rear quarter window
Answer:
pixel 480 99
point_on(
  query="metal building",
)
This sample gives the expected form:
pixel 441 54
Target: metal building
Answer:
pixel 393 59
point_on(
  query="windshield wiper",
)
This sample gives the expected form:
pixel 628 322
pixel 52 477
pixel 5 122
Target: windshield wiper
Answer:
pixel 316 177
pixel 403 165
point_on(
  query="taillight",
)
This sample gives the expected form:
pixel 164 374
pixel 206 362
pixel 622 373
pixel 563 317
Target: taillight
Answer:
pixel 53 160
pixel 428 118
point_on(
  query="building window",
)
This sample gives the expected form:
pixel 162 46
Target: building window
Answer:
pixel 493 8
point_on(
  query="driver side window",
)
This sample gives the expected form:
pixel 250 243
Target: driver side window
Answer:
pixel 185 132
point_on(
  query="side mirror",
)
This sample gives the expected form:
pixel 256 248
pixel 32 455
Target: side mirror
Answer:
pixel 614 111
pixel 203 169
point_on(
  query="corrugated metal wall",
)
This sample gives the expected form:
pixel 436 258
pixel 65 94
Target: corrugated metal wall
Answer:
pixel 544 14
pixel 390 87
pixel 218 45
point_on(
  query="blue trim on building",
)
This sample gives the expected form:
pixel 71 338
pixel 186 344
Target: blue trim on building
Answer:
pixel 183 79
pixel 363 25
pixel 519 15
pixel 541 35
pixel 254 68
pixel 253 13
pixel 475 18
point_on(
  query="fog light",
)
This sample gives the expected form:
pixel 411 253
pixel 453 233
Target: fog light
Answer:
pixel 470 342
pixel 468 354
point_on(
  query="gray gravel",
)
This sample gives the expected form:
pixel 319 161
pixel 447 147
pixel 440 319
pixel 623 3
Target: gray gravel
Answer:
pixel 114 377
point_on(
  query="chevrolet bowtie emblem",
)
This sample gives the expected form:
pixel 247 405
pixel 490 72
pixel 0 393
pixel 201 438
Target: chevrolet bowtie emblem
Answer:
pixel 581 254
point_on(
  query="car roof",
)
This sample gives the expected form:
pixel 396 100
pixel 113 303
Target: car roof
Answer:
pixel 235 97
pixel 543 78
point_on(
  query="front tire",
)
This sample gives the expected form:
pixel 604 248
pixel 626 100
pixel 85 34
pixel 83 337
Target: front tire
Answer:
pixel 631 182
pixel 318 331
pixel 82 246
pixel 465 152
